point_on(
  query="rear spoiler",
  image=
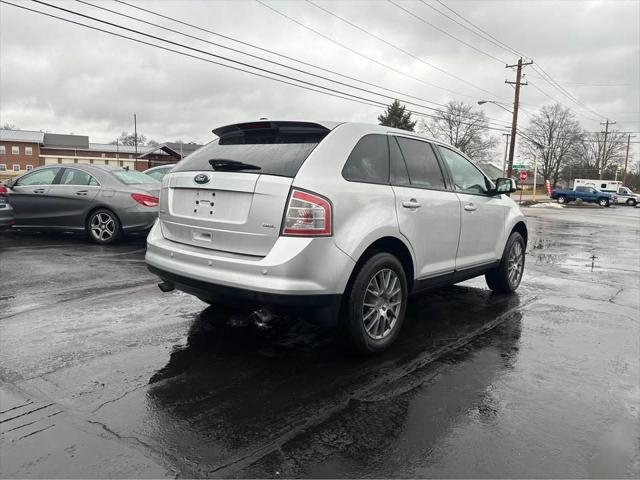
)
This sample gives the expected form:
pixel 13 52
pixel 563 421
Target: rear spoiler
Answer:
pixel 238 129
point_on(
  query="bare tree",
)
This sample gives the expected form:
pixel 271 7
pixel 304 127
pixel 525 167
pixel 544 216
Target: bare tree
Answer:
pixel 464 127
pixel 556 138
pixel 130 139
pixel 9 126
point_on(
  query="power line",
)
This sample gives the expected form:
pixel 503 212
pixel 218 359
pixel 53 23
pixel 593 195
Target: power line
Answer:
pixel 545 76
pixel 423 20
pixel 362 55
pixel 276 63
pixel 341 95
pixel 386 42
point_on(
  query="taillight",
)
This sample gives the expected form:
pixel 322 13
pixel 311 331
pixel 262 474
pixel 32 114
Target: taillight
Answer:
pixel 146 200
pixel 307 215
pixel 4 191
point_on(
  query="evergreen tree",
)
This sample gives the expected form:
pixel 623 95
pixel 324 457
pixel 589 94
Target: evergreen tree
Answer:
pixel 396 116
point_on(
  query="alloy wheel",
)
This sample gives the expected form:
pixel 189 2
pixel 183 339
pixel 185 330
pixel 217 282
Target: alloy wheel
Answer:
pixel 103 227
pixel 516 263
pixel 382 303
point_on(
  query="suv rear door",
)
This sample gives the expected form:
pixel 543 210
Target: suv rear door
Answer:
pixel 428 213
pixel 237 206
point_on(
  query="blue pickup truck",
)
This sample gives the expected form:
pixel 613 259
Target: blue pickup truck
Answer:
pixel 586 194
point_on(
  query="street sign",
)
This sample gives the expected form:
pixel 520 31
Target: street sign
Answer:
pixel 523 176
pixel 519 167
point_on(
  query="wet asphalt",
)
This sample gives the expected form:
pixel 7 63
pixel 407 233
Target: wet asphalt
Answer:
pixel 102 375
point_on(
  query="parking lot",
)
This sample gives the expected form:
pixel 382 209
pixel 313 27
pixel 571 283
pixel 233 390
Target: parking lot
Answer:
pixel 102 375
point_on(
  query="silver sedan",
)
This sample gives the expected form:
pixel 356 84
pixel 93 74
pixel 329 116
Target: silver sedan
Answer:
pixel 105 202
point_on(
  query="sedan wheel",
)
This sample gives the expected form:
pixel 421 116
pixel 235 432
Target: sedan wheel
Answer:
pixel 104 227
pixel 516 264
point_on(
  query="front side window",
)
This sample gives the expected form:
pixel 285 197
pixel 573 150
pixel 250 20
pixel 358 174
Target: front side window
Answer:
pixel 368 161
pixel 28 150
pixel 39 177
pixel 466 176
pixel 422 164
pixel 71 176
pixel 15 150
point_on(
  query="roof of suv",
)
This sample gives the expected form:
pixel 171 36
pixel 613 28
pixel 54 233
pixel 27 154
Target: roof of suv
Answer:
pixel 329 125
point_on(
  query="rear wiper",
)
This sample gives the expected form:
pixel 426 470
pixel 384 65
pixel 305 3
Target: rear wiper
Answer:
pixel 230 165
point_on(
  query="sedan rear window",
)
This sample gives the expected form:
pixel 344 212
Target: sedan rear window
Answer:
pixel 270 151
pixel 131 177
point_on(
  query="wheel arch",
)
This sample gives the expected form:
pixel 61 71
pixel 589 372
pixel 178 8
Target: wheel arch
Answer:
pixel 521 228
pixel 388 244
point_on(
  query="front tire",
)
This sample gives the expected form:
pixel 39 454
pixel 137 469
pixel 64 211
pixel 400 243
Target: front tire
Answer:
pixel 375 305
pixel 603 202
pixel 631 202
pixel 506 277
pixel 562 200
pixel 103 226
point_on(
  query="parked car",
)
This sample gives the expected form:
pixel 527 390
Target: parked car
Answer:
pixel 626 196
pixel 6 211
pixel 105 202
pixel 337 222
pixel 586 194
pixel 159 172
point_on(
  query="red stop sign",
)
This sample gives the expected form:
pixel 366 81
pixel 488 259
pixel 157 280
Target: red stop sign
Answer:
pixel 523 176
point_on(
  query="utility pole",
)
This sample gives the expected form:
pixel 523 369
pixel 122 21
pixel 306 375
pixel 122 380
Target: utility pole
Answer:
pixel 506 149
pixel 626 160
pixel 135 140
pixel 604 146
pixel 516 102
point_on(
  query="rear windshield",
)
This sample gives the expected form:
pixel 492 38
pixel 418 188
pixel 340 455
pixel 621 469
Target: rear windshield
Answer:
pixel 275 152
pixel 131 177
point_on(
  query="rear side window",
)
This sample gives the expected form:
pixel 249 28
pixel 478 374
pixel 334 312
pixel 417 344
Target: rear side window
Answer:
pixel 368 161
pixel 421 163
pixel 279 151
pixel 71 176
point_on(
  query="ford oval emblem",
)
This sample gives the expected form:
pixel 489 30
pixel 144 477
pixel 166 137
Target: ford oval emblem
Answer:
pixel 201 178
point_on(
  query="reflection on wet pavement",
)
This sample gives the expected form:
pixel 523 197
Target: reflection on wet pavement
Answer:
pixel 543 383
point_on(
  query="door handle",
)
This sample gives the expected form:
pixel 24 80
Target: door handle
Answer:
pixel 413 203
pixel 82 192
pixel 470 207
pixel 39 190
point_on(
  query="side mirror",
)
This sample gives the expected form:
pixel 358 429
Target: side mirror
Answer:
pixel 505 185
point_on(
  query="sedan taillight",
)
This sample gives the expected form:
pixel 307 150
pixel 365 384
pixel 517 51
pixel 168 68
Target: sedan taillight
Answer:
pixel 308 215
pixel 4 191
pixel 146 200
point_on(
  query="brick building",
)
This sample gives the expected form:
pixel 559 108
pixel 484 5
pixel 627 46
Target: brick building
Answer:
pixel 23 150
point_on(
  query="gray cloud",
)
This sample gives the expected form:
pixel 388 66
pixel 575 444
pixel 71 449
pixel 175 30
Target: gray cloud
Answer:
pixel 63 78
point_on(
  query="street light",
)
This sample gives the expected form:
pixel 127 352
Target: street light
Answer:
pixel 482 102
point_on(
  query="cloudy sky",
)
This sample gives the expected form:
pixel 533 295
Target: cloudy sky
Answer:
pixel 64 78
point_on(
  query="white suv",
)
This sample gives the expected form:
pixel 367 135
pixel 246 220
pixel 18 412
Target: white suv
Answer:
pixel 332 221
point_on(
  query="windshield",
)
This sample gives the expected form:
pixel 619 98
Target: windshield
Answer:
pixel 274 151
pixel 130 177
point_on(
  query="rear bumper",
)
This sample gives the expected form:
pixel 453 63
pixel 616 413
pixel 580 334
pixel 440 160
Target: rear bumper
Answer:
pixel 136 220
pixel 297 274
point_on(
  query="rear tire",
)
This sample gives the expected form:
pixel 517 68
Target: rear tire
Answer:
pixel 375 305
pixel 603 202
pixel 562 200
pixel 103 226
pixel 506 277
